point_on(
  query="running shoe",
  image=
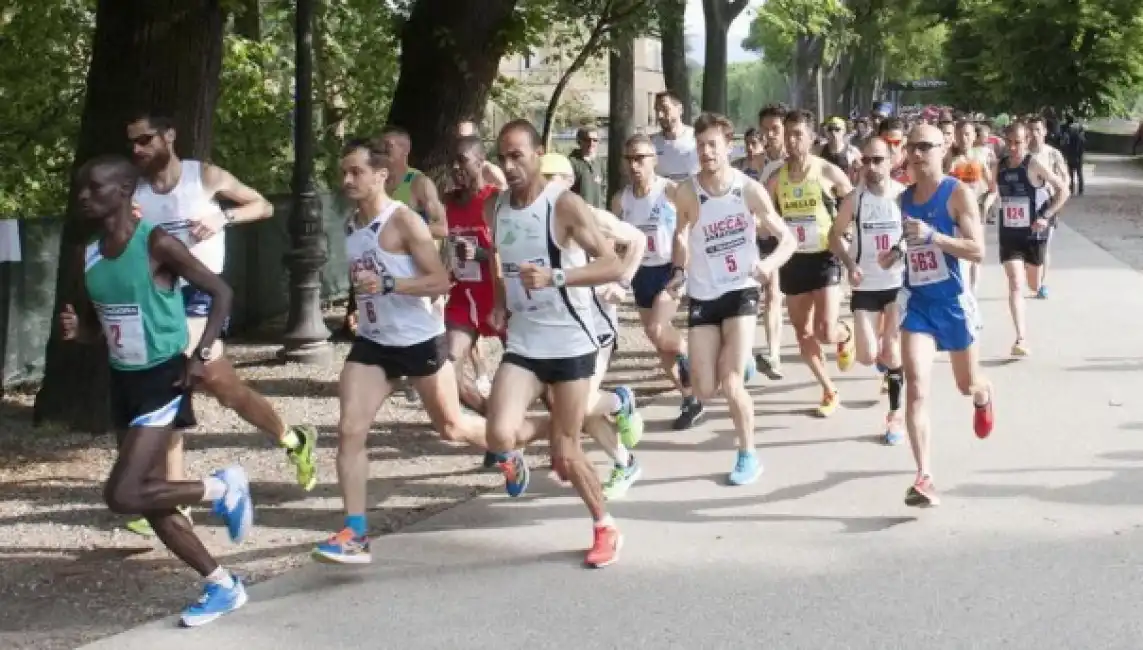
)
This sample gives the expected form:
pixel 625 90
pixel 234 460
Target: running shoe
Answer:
pixel 1020 349
pixel 629 423
pixel 747 468
pixel 302 456
pixel 621 480
pixel 983 418
pixel 235 507
pixel 922 494
pixel 894 435
pixel 771 366
pixel 607 540
pixel 142 527
pixel 344 547
pixel 828 404
pixel 750 371
pixel 689 414
pixel 845 352
pixel 1042 294
pixel 516 473
pixel 215 601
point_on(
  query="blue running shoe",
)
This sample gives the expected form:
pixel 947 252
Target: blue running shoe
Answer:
pixel 1042 294
pixel 516 473
pixel 345 547
pixel 881 369
pixel 750 371
pixel 747 468
pixel 215 601
pixel 894 430
pixel 626 400
pixel 235 507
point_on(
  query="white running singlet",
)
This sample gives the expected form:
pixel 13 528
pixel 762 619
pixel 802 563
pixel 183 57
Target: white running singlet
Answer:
pixel 769 168
pixel 722 242
pixel 678 156
pixel 655 216
pixel 388 319
pixel 175 209
pixel 545 323
pixel 878 223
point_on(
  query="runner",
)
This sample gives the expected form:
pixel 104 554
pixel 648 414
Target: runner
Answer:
pixel 721 213
pixel 892 131
pixel 648 204
pixel 837 149
pixel 754 161
pixel 1026 218
pixel 770 120
pixel 1051 159
pixel 972 165
pixel 804 190
pixel 607 406
pixel 397 271
pixel 471 298
pixel 182 197
pixel 876 217
pixel 544 235
pixel 492 174
pixel 675 142
pixel 936 310
pixel 410 186
pixel 131 277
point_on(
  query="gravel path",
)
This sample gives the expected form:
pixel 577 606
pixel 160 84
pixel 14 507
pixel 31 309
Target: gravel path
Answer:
pixel 1110 213
pixel 71 574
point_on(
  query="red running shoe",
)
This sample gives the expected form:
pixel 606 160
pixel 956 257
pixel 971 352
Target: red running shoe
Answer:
pixel 982 418
pixel 605 547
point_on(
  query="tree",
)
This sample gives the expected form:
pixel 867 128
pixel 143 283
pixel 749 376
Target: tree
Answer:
pixel 749 86
pixel 673 36
pixel 717 16
pixel 621 107
pixel 163 53
pixel 1019 56
pixel 450 56
pixel 589 28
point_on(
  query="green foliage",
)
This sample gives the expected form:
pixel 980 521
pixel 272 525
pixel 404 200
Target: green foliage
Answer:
pixel 45 47
pixel 1022 55
pixel 779 24
pixel 750 85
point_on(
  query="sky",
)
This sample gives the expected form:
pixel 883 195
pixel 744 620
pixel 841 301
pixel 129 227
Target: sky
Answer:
pixel 738 30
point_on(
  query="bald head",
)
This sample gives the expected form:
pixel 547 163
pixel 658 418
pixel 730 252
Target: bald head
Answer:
pixel 106 184
pixel 925 152
pixel 925 132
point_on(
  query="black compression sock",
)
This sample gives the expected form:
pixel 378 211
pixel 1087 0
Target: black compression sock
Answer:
pixel 896 380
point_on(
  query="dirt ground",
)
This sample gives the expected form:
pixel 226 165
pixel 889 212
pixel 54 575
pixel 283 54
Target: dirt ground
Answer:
pixel 70 572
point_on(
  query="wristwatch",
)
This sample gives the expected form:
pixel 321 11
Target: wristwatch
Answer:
pixel 229 216
pixel 388 284
pixel 558 278
pixel 206 354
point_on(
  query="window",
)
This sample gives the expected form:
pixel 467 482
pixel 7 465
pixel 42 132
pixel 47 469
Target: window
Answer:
pixel 653 52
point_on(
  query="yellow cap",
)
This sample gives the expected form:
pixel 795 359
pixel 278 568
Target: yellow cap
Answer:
pixel 555 163
pixel 835 121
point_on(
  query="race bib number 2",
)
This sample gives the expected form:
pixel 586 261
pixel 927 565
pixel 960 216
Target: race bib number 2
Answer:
pixel 123 329
pixel 1015 214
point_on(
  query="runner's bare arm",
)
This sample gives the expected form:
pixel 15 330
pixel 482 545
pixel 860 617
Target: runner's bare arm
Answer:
pixel 686 208
pixel 173 255
pixel 429 202
pixel 578 220
pixel 493 176
pixel 837 243
pixel 839 180
pixel 494 263
pixel 767 219
pixel 671 189
pixel 1060 190
pixel 964 209
pixel 419 242
pixel 87 329
pixel 630 242
pixel 251 206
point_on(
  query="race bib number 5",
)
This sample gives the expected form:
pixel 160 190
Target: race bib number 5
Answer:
pixel 728 267
pixel 1015 214
pixel 926 266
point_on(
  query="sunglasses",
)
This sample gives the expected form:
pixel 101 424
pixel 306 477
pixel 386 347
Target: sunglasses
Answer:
pixel 637 157
pixel 593 139
pixel 835 129
pixel 143 140
pixel 922 146
pixel 893 142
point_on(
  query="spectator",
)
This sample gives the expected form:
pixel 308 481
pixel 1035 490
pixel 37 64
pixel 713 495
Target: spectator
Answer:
pixel 588 177
pixel 1073 144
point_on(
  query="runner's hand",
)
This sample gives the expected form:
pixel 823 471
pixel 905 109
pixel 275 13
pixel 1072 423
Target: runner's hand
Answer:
pixel 886 259
pixel 464 252
pixel 498 319
pixel 612 293
pixel 69 323
pixel 1040 225
pixel 366 282
pixel 535 277
pixel 917 232
pixel 207 224
pixel 856 276
pixel 193 374
pixel 761 272
pixel 674 286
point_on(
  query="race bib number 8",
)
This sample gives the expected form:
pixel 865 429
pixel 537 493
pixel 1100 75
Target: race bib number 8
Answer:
pixel 1015 214
pixel 926 266
pixel 806 234
pixel 123 329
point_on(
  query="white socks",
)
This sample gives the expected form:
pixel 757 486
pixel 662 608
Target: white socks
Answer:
pixel 213 489
pixel 222 578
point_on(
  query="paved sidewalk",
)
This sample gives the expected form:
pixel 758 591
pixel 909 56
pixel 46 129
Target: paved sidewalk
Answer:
pixel 1037 544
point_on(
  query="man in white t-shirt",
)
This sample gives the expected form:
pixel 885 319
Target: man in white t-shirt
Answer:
pixel 675 142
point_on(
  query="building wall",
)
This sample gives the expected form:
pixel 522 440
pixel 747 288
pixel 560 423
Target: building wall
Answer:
pixel 588 89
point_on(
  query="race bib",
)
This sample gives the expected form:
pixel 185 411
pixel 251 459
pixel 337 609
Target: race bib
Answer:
pixel 806 234
pixel 467 270
pixel 1015 213
pixel 651 232
pixel 520 300
pixel 123 329
pixel 926 265
pixel 729 267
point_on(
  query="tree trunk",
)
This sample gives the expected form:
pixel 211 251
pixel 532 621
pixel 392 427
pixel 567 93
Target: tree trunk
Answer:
pixel 589 48
pixel 717 16
pixel 450 56
pixel 248 20
pixel 154 54
pixel 620 109
pixel 674 53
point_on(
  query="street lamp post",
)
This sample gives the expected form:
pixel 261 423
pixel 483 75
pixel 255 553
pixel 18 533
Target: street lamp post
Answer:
pixel 306 338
